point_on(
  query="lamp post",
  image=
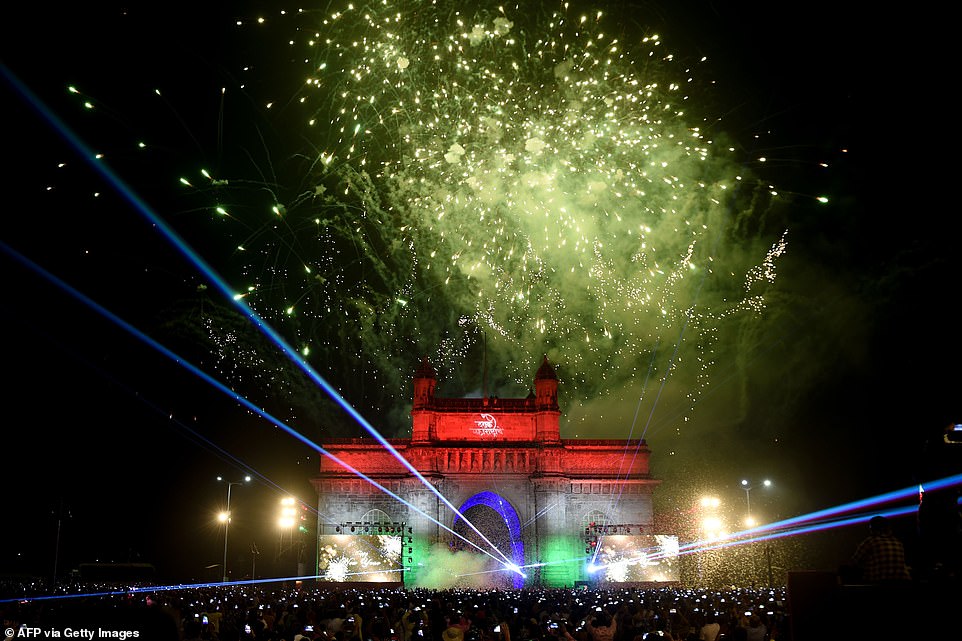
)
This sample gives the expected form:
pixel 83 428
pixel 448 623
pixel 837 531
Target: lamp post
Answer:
pixel 225 516
pixel 748 487
pixel 56 549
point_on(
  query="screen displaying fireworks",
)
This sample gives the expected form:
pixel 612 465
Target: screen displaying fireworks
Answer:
pixel 638 558
pixel 367 558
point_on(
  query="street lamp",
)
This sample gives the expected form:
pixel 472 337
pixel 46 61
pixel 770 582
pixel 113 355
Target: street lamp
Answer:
pixel 224 517
pixel 748 487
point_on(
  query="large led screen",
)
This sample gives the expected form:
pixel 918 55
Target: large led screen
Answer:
pixel 359 557
pixel 637 558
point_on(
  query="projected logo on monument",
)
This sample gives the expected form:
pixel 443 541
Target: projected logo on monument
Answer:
pixel 487 425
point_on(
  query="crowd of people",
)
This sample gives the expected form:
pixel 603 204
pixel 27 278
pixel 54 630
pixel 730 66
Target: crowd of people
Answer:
pixel 374 612
pixel 252 613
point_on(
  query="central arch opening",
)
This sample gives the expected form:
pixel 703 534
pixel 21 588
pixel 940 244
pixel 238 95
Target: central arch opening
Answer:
pixel 497 520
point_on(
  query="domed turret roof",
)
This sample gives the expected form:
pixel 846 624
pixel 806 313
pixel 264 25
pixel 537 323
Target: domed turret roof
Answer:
pixel 425 370
pixel 546 371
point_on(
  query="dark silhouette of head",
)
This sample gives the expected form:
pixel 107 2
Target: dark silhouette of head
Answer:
pixel 878 525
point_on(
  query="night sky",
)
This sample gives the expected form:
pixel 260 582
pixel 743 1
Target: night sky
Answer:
pixel 479 208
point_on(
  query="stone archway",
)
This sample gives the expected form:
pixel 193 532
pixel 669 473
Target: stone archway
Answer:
pixel 459 447
pixel 498 521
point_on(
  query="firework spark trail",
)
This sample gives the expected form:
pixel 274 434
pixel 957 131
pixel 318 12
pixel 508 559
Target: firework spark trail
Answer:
pixel 534 176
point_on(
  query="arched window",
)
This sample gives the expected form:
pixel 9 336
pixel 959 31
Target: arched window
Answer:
pixel 594 519
pixel 379 521
pixel 376 516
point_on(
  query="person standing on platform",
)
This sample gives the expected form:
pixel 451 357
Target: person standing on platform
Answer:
pixel 880 557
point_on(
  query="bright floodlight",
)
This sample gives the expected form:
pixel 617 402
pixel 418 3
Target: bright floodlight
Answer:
pixel 223 517
pixel 710 501
pixel 288 513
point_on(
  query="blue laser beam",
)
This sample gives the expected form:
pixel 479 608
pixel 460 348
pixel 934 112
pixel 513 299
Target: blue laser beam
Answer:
pixel 218 385
pixel 188 252
pixel 816 526
pixel 509 568
pixel 861 505
pixel 830 518
pixel 207 443
pixel 154 588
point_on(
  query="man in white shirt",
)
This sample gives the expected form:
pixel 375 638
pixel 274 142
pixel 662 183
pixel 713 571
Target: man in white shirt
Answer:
pixel 709 631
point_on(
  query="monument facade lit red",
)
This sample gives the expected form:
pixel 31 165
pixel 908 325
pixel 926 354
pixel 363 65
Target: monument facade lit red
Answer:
pixel 544 501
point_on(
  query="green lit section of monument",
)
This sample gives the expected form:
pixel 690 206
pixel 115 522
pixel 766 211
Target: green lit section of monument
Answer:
pixel 414 560
pixel 561 565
